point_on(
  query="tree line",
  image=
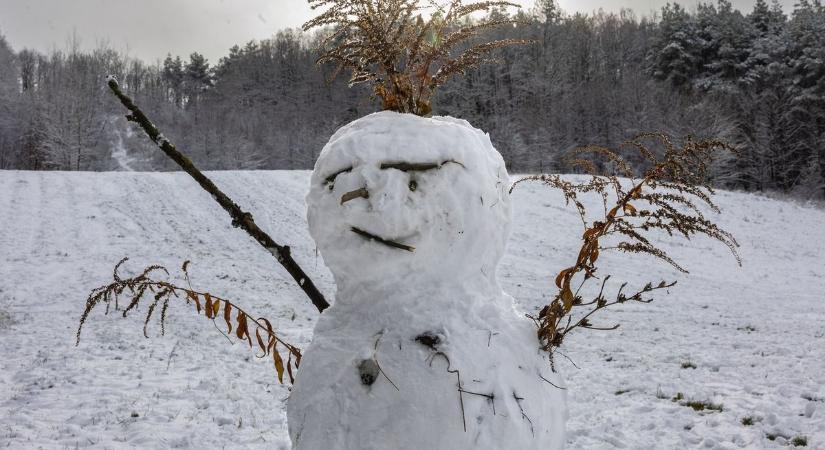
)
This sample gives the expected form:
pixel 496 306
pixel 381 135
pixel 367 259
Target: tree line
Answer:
pixel 755 79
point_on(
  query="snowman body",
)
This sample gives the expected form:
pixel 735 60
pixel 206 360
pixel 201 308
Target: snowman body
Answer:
pixel 421 349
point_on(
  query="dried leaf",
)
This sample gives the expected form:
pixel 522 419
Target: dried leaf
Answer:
pixel 567 297
pixel 194 297
pixel 279 364
pixel 216 308
pixel 289 369
pixel 268 326
pixel 562 276
pixel 241 331
pixel 260 342
pixel 594 255
pixel 590 232
pixel 208 309
pixel 227 310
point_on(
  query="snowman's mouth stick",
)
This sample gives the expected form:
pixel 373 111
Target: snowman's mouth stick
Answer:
pixel 387 242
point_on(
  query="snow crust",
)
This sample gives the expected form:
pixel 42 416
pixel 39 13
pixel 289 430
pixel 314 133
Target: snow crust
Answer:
pixel 459 366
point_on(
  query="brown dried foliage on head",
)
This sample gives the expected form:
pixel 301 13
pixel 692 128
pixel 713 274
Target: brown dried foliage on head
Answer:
pixel 405 55
pixel 159 293
pixel 665 197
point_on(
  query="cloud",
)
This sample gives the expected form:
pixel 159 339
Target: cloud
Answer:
pixel 148 28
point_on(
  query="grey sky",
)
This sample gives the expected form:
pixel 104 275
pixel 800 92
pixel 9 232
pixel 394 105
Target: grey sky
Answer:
pixel 149 29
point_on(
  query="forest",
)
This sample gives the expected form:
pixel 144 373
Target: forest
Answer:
pixel 755 79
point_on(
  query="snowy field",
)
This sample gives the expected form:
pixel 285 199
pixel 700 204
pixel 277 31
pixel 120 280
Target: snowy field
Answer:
pixel 750 340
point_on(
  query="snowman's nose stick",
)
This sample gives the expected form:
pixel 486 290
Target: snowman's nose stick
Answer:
pixel 352 195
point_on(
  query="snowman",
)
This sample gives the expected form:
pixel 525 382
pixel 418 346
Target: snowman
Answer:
pixel 421 348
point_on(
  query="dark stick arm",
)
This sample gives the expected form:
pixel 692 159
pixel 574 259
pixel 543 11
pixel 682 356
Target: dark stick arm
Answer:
pixel 239 217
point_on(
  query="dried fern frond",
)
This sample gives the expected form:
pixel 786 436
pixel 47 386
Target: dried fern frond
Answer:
pixel 665 197
pixel 406 57
pixel 237 321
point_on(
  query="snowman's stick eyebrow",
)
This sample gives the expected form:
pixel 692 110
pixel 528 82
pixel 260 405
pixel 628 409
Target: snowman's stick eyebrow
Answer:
pixel 331 178
pixel 417 167
pixel 386 242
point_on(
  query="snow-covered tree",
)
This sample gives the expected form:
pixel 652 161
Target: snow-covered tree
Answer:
pixel 9 104
pixel 677 52
pixel 196 78
pixel 173 78
pixel 588 78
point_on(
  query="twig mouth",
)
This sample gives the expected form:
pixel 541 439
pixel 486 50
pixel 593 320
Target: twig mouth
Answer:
pixel 379 239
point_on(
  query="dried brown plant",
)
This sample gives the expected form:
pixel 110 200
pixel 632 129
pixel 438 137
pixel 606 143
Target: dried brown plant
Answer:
pixel 663 198
pixel 160 293
pixel 406 56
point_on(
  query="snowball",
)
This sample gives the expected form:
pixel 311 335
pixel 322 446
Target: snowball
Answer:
pixel 457 217
pixel 421 348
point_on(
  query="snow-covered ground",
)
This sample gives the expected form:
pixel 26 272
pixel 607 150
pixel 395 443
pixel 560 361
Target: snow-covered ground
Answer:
pixel 751 339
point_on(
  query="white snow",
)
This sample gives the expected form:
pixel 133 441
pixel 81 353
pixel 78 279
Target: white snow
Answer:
pixel 483 384
pixel 120 154
pixel 755 334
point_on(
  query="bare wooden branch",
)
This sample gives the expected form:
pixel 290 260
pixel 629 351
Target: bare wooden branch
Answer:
pixel 240 218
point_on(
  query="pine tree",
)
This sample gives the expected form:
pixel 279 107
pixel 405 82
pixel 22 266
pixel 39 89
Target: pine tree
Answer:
pixel 676 53
pixel 173 79
pixel 196 78
pixel 767 19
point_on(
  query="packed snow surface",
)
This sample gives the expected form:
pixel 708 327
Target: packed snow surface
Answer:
pixel 454 364
pixel 755 335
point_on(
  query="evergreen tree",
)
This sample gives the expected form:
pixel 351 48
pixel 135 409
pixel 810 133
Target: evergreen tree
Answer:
pixel 196 77
pixel 676 53
pixel 173 79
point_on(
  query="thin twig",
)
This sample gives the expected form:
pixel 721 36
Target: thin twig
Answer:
pixel 460 388
pixel 551 383
pixel 523 415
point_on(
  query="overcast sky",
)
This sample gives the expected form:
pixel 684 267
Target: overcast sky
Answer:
pixel 149 29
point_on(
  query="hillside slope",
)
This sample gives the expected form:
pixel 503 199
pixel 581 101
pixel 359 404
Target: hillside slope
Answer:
pixel 755 334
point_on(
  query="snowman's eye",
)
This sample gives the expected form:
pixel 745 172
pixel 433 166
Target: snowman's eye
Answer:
pixel 331 179
pixel 413 185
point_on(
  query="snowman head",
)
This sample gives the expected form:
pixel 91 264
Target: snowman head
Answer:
pixel 397 197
